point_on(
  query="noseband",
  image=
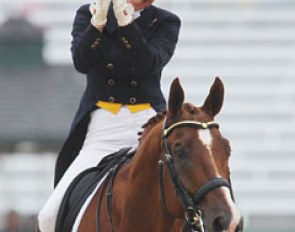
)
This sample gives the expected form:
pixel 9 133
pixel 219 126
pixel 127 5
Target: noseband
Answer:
pixel 189 201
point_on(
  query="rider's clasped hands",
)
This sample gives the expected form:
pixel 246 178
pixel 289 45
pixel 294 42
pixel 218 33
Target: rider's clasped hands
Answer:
pixel 99 10
pixel 122 9
pixel 123 12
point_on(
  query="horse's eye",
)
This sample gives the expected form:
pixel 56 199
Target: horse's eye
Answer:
pixel 177 146
pixel 178 150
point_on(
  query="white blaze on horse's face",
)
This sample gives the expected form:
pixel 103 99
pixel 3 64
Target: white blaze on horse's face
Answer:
pixel 236 216
pixel 207 140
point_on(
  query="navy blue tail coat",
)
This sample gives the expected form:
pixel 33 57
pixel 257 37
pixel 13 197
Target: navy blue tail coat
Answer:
pixel 122 64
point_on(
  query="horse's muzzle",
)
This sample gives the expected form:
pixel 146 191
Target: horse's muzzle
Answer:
pixel 223 224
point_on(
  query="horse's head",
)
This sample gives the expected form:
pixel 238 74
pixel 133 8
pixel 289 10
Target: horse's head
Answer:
pixel 197 158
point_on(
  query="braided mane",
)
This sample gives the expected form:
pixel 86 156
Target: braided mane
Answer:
pixel 150 124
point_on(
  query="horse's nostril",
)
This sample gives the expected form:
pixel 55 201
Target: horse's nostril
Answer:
pixel 239 227
pixel 220 224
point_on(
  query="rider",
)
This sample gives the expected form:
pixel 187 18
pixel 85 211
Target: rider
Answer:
pixel 122 47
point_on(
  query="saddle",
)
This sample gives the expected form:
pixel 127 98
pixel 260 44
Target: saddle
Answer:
pixel 83 185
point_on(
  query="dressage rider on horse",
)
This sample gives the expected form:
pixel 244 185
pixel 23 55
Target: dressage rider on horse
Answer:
pixel 122 47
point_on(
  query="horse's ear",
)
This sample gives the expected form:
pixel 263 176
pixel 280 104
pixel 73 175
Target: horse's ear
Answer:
pixel 214 100
pixel 176 98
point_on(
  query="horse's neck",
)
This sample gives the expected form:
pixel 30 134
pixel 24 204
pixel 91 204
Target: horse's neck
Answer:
pixel 143 170
pixel 147 156
pixel 142 191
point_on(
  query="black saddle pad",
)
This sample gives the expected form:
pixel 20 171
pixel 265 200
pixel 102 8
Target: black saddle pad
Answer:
pixel 82 186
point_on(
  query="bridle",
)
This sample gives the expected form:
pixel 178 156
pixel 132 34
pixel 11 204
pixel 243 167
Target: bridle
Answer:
pixel 189 201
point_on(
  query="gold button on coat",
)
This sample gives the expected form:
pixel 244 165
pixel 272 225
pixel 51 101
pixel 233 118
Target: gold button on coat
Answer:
pixel 111 99
pixel 110 66
pixel 132 100
pixel 134 83
pixel 111 82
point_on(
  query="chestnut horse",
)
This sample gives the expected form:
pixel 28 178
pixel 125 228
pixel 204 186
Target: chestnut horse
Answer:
pixel 178 179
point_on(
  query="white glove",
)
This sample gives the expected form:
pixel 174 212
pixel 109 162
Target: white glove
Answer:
pixel 99 10
pixel 123 12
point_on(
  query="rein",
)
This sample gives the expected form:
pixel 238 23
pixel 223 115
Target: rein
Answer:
pixel 189 201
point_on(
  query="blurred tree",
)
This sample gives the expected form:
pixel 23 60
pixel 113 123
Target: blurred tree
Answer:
pixel 21 44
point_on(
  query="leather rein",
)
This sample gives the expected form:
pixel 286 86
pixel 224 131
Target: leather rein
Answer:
pixel 189 201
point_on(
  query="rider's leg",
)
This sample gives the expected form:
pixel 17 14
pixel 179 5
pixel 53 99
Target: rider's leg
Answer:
pixel 106 134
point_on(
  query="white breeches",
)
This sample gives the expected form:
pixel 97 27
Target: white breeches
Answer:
pixel 106 134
